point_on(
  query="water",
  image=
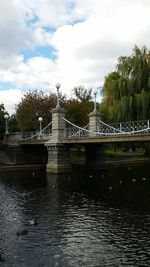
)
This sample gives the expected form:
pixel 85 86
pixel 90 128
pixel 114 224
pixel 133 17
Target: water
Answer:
pixel 85 219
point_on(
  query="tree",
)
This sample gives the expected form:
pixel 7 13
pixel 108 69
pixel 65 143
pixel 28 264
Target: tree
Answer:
pixel 2 121
pixel 32 106
pixel 35 104
pixel 13 125
pixel 77 112
pixel 127 90
pixel 82 94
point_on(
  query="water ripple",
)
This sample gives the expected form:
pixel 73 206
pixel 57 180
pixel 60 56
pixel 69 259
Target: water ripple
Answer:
pixel 80 223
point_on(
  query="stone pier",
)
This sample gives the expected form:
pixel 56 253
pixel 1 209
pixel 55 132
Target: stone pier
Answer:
pixel 94 118
pixel 58 154
pixel 94 153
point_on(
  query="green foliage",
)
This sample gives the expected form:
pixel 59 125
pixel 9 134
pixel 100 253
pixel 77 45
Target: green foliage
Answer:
pixel 12 123
pixel 83 94
pixel 35 104
pixel 127 90
pixel 2 121
pixel 77 112
pixel 78 109
pixel 32 106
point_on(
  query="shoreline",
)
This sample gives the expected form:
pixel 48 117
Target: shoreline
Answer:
pixel 10 167
pixel 132 160
pixel 108 162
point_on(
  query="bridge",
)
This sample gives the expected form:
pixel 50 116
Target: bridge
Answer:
pixel 60 134
pixel 132 131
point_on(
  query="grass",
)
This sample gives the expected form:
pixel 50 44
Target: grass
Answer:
pixel 121 154
pixel 79 154
pixel 112 154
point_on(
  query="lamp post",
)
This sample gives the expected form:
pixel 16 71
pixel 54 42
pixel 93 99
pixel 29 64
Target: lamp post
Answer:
pixel 57 87
pixel 95 93
pixel 6 116
pixel 40 119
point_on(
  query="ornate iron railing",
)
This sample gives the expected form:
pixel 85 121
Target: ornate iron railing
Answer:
pixel 132 127
pixel 73 131
pixel 37 135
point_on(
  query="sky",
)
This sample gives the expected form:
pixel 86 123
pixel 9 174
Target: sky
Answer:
pixel 71 42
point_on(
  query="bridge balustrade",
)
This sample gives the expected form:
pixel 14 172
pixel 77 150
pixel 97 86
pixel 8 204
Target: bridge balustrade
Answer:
pixel 132 127
pixel 29 135
pixel 36 135
pixel 73 131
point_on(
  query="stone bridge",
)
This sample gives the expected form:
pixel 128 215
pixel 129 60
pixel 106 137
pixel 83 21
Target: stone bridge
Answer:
pixel 52 147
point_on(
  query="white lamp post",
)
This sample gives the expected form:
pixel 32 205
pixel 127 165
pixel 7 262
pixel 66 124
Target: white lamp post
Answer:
pixel 95 93
pixel 57 87
pixel 40 119
pixel 6 116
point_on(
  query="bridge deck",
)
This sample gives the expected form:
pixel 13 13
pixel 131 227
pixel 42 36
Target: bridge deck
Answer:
pixel 94 139
pixel 108 139
pixel 33 142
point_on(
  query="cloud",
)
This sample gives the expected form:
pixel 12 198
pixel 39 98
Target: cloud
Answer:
pixel 88 48
pixel 10 98
pixel 87 37
pixel 15 33
pixel 54 13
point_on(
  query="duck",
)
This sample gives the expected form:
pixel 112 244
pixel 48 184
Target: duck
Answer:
pixel 25 194
pixel 33 221
pixel 21 232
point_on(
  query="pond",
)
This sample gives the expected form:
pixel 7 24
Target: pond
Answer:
pixel 84 218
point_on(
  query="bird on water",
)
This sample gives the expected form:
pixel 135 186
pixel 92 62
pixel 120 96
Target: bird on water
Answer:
pixel 33 221
pixel 21 232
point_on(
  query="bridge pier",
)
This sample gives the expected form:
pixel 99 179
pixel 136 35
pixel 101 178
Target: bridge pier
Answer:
pixel 58 154
pixel 12 152
pixel 94 119
pixel 58 158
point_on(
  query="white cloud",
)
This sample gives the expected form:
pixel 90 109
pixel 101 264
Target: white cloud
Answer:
pixel 54 13
pixel 10 98
pixel 88 37
pixel 15 33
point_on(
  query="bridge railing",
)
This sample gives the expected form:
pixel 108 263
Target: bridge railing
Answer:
pixel 73 130
pixel 103 129
pixel 29 135
pixel 132 127
pixel 107 129
pixel 76 132
pixel 37 135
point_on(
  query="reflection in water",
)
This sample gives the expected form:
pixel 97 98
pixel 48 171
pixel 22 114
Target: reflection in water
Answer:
pixel 84 219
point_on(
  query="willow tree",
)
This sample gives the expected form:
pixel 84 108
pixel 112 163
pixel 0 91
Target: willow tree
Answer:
pixel 127 90
pixel 2 120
